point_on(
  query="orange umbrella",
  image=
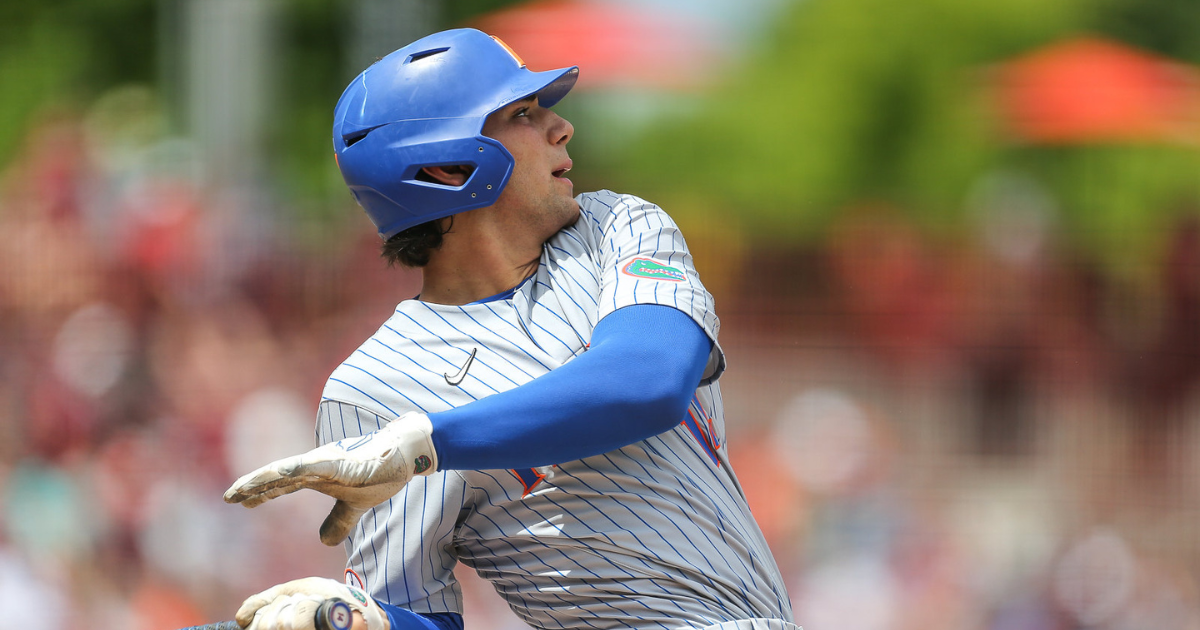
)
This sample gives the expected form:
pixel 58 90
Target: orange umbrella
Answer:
pixel 1093 90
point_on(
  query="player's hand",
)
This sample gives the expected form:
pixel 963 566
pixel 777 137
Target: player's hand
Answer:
pixel 359 472
pixel 293 606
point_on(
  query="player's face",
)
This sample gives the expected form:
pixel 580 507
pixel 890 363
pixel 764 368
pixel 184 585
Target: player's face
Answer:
pixel 538 197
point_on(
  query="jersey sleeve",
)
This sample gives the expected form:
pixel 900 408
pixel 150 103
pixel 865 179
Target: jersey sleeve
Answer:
pixel 402 551
pixel 643 259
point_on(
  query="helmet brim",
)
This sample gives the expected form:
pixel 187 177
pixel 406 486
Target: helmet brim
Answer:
pixel 550 86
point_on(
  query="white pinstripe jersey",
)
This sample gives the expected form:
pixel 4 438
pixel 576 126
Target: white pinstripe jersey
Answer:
pixel 653 535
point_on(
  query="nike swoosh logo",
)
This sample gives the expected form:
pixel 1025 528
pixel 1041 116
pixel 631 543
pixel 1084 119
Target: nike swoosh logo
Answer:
pixel 462 373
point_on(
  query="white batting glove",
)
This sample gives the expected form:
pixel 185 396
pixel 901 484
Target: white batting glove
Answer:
pixel 359 472
pixel 293 605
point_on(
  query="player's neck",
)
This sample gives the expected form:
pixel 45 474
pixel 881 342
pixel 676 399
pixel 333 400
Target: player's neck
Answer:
pixel 461 272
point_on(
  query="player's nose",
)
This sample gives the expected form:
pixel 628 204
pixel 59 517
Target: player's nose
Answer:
pixel 560 130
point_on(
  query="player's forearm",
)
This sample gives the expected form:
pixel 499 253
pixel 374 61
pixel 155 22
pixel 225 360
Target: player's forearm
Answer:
pixel 634 382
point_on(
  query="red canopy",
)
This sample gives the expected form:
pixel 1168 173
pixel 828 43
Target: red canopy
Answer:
pixel 1089 90
pixel 612 44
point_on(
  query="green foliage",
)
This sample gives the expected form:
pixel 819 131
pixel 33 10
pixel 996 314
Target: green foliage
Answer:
pixel 39 62
pixel 1169 27
pixel 460 12
pixel 868 101
pixel 849 100
pixel 314 38
pixel 59 53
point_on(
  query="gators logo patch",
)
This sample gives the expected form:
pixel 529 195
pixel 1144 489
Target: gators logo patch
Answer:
pixel 359 595
pixel 421 465
pixel 646 268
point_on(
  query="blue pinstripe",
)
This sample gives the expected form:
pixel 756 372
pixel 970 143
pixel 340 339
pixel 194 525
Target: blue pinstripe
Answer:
pixel 397 371
pixel 433 571
pixel 417 364
pixel 372 398
pixel 442 359
pixel 661 537
pixel 595 554
pixel 590 273
pixel 487 328
pixel 476 340
pixel 715 491
pixel 685 496
pixel 385 384
pixel 582 291
pixel 499 572
pixel 508 542
pixel 728 506
pixel 581 566
pixel 567 346
pixel 613 543
pixel 450 345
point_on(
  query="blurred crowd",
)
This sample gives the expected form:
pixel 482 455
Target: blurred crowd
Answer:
pixel 976 432
pixel 980 431
pixel 155 343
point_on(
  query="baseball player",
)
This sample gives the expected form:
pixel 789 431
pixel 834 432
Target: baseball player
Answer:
pixel 547 410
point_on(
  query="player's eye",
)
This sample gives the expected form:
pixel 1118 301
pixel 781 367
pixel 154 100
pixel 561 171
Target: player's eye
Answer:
pixel 522 112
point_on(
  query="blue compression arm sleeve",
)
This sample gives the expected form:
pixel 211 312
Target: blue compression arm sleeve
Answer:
pixel 401 619
pixel 634 382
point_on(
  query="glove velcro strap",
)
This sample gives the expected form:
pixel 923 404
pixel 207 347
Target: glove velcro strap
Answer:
pixel 414 435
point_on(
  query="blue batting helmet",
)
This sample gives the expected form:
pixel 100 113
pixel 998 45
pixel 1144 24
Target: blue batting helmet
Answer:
pixel 424 105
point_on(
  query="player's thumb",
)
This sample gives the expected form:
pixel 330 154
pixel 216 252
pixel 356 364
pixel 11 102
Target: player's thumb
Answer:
pixel 342 518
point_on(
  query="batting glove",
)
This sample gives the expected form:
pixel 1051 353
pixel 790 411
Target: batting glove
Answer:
pixel 359 472
pixel 293 605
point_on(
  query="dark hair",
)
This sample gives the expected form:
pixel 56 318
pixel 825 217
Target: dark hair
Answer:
pixel 412 247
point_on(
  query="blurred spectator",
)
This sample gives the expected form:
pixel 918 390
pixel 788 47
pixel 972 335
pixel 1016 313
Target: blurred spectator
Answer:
pixel 1164 373
pixel 31 601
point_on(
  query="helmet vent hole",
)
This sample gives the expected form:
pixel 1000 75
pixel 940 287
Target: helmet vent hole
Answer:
pixel 354 136
pixel 426 54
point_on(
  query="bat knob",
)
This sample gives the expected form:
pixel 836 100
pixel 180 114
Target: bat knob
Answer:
pixel 334 614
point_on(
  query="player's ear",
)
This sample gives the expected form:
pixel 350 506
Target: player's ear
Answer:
pixel 449 174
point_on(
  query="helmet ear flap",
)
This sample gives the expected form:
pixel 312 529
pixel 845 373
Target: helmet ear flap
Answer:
pixel 368 171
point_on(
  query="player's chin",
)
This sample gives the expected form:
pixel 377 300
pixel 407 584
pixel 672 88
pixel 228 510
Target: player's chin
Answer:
pixel 567 211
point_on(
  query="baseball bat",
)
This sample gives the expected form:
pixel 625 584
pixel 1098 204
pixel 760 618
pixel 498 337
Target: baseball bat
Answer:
pixel 332 614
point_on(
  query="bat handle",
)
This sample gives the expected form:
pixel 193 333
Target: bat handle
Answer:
pixel 334 614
